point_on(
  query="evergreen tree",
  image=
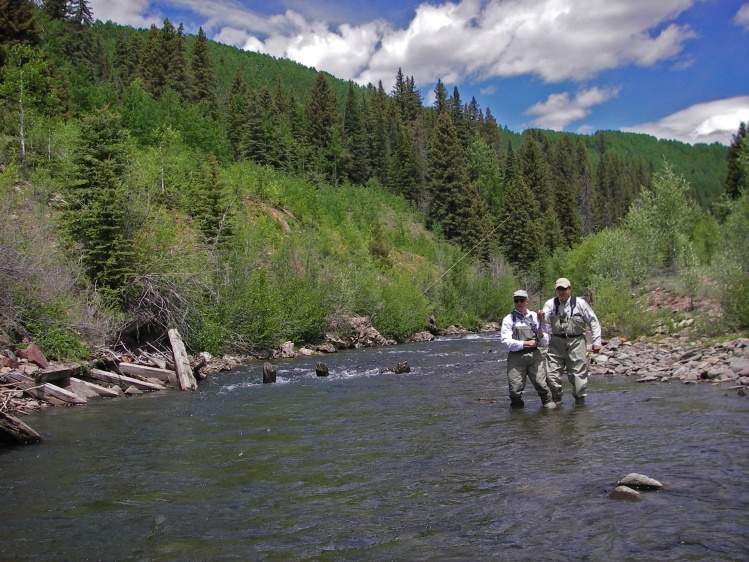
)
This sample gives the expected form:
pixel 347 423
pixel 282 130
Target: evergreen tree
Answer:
pixel 321 120
pixel 96 214
pixel 376 121
pixel 440 97
pixel 236 115
pixel 567 190
pixel 737 176
pixel 126 52
pixel 456 110
pixel 355 139
pixel 18 24
pixel 203 73
pixel 80 12
pixel 163 64
pixel 55 9
pixel 405 168
pixel 485 173
pixel 210 210
pixel 536 174
pixel 519 229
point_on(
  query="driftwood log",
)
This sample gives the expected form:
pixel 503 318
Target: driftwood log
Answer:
pixel 181 362
pixel 165 375
pixel 123 381
pixel 14 430
pixel 46 391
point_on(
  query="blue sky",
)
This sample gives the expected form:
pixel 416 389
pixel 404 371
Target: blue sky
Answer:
pixel 675 69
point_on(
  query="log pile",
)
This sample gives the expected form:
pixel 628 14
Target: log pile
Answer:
pixel 28 382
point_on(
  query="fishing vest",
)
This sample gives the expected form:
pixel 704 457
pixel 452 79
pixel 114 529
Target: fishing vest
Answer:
pixel 524 331
pixel 571 326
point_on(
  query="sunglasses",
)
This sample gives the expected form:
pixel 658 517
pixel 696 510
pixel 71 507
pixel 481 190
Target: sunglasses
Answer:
pixel 519 300
pixel 562 288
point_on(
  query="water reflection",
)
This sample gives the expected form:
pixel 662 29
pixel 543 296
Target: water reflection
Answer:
pixel 365 465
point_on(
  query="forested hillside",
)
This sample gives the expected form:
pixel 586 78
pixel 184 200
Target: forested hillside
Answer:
pixel 162 179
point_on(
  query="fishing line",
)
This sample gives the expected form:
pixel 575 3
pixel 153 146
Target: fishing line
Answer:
pixel 464 255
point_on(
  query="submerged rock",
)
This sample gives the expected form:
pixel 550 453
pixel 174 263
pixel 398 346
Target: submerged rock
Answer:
pixel 624 493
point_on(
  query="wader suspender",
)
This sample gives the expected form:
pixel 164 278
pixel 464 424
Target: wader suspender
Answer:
pixel 516 315
pixel 557 303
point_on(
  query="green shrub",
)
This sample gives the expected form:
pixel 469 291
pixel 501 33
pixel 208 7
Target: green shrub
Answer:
pixel 404 310
pixel 618 311
pixel 49 327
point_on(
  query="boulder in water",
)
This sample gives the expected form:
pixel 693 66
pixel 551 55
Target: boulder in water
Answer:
pixel 640 482
pixel 625 493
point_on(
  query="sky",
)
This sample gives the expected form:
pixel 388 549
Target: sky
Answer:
pixel 674 69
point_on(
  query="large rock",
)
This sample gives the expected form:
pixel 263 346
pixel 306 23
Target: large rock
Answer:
pixel 421 337
pixel 624 493
pixel 640 482
pixel 354 332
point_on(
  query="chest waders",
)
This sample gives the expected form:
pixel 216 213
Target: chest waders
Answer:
pixel 525 364
pixel 567 351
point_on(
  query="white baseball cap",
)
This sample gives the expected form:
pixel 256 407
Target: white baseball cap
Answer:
pixel 520 293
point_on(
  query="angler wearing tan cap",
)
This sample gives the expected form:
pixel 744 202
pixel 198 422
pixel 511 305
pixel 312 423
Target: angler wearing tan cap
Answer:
pixel 569 316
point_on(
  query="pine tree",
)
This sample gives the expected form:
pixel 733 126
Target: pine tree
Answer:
pixel 80 12
pixel 456 110
pixel 210 210
pixel 236 114
pixel 567 190
pixel 536 174
pixel 376 122
pixel 440 97
pixel 18 24
pixel 447 176
pixel 203 72
pixel 485 173
pixel 55 9
pixel 405 168
pixel 737 176
pixel 126 52
pixel 321 120
pixel 519 228
pixel 355 139
pixel 96 214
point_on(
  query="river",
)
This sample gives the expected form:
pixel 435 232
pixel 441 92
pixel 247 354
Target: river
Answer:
pixel 370 465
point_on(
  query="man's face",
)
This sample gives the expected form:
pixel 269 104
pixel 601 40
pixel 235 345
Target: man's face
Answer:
pixel 563 293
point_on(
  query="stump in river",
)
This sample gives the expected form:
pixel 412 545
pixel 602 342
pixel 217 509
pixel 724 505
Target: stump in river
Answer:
pixel 269 373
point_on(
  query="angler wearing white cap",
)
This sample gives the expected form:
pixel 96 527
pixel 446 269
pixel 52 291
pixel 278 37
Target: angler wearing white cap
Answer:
pixel 569 317
pixel 522 334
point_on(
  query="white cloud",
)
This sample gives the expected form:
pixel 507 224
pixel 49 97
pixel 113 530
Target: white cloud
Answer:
pixel 467 40
pixel 742 17
pixel 559 110
pixel 715 121
pixel 135 13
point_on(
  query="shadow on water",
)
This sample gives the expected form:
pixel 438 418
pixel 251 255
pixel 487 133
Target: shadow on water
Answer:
pixel 366 465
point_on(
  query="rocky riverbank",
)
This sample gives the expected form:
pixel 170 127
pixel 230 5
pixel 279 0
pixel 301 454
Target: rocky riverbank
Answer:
pixel 673 360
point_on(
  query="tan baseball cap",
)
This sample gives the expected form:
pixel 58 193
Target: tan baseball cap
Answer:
pixel 563 282
pixel 520 293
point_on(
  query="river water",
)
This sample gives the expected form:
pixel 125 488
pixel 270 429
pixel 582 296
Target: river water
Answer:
pixel 366 465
